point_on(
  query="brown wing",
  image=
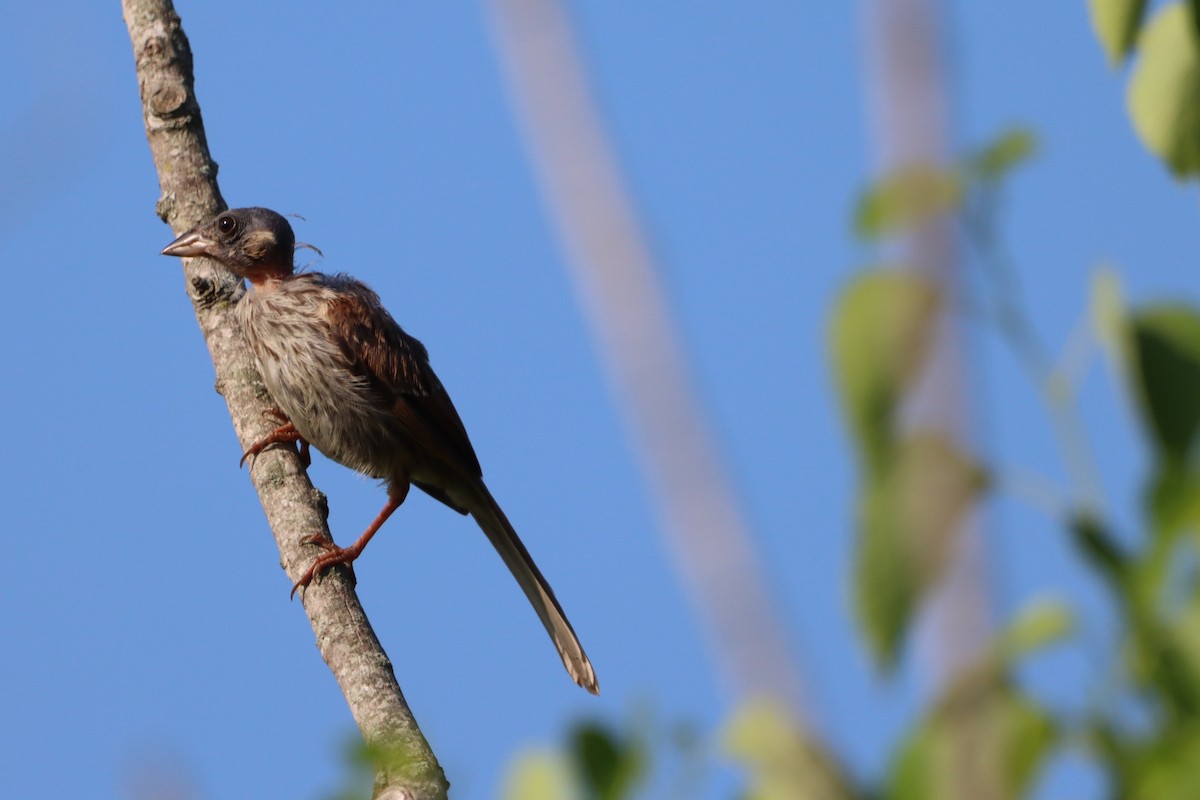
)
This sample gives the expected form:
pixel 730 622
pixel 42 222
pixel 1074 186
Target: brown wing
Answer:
pixel 397 366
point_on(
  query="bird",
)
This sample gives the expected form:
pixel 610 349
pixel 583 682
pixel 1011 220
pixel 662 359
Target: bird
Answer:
pixel 348 380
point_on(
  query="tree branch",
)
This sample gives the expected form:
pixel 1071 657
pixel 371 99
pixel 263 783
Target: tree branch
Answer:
pixel 294 509
pixel 617 277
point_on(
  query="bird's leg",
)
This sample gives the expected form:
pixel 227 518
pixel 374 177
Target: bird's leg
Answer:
pixel 286 433
pixel 334 555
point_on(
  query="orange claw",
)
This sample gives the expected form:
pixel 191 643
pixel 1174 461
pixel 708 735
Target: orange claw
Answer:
pixel 332 556
pixel 284 434
pixel 335 555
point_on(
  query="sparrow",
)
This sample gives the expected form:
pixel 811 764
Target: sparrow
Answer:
pixel 349 381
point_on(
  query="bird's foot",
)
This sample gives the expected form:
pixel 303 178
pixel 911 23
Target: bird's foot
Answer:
pixel 284 434
pixel 332 556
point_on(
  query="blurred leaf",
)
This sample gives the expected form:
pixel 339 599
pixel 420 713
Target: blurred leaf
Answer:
pixel 783 764
pixel 886 584
pixel 610 767
pixel 1158 662
pixel 541 775
pixel 1156 349
pixel 1040 623
pixel 1162 600
pixel 1173 501
pixel 905 199
pixel 1164 91
pixel 1111 748
pixel 1162 669
pixel 984 738
pixel 1117 23
pixel 908 515
pixel 982 741
pixel 1185 631
pixel 1166 352
pixel 879 333
pixel 1166 769
pixel 368 762
pixel 999 157
pixel 1098 545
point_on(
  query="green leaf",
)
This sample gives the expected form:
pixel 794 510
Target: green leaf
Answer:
pixel 999 157
pixel 906 199
pixel 1164 91
pixel 1098 546
pixel 887 586
pixel 1040 623
pixel 783 764
pixel 1162 600
pixel 1166 355
pixel 1156 350
pixel 1173 501
pixel 1185 630
pixel 879 334
pixel 1117 23
pixel 1155 651
pixel 541 775
pixel 1166 769
pixel 368 761
pixel 610 766
pixel 984 739
pixel 908 515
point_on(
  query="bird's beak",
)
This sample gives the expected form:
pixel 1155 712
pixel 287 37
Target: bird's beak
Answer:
pixel 191 243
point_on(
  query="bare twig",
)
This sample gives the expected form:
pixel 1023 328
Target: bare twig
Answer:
pixel 294 509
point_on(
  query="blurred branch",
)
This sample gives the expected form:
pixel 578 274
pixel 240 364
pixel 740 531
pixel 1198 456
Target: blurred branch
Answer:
pixel 909 95
pixel 1057 383
pixel 294 509
pixel 911 128
pixel 617 280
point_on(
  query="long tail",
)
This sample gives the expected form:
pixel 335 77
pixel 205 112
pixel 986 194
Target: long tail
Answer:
pixel 498 529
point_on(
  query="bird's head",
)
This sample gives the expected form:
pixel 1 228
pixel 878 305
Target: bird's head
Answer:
pixel 255 243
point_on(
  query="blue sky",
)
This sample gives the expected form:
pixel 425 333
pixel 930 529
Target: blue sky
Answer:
pixel 147 620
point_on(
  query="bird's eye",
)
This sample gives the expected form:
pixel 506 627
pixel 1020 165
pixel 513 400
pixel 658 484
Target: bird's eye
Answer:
pixel 226 225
